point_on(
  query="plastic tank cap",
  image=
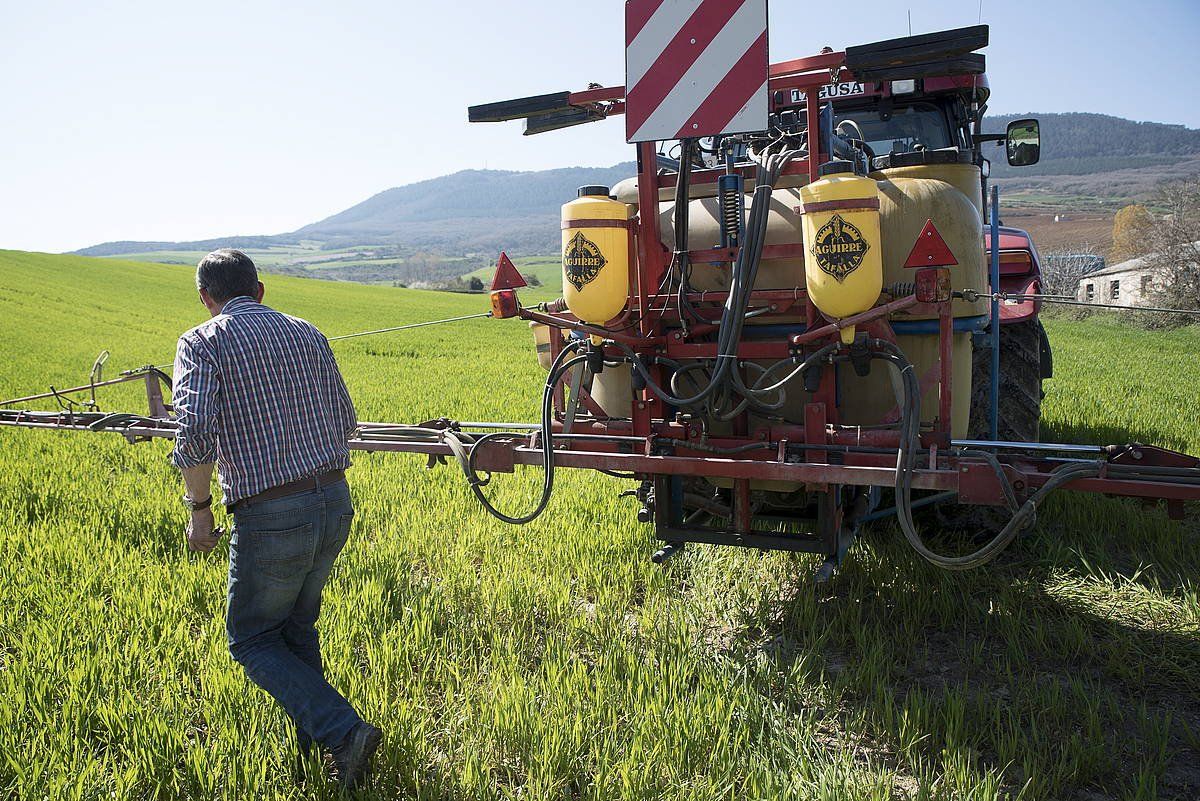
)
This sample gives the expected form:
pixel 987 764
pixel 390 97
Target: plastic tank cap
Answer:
pixel 835 167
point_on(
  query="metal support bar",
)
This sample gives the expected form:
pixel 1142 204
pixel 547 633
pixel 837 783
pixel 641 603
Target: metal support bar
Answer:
pixel 994 277
pixel 917 504
pixel 154 397
pixel 854 320
pixel 573 398
pixel 971 478
pixel 124 379
pixel 946 368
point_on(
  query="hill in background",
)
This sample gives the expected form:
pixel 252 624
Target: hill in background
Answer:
pixel 1094 160
pixel 447 227
pixel 468 211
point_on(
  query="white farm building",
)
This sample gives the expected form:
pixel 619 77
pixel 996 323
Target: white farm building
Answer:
pixel 1129 283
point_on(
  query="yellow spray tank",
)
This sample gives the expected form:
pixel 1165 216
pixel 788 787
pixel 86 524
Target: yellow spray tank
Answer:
pixel 843 251
pixel 541 341
pixel 596 238
pixel 942 186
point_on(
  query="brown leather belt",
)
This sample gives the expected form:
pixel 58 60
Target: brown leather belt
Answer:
pixel 292 487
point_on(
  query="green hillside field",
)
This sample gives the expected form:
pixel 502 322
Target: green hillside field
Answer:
pixel 548 270
pixel 555 661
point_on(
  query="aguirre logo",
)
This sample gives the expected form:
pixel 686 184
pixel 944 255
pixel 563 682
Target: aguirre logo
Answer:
pixel 582 260
pixel 839 248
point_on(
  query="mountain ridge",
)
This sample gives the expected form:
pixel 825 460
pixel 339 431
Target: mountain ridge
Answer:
pixel 1084 154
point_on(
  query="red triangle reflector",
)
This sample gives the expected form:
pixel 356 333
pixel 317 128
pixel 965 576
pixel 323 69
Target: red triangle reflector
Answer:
pixel 930 249
pixel 507 276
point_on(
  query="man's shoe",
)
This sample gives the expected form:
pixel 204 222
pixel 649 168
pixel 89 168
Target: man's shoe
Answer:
pixel 352 759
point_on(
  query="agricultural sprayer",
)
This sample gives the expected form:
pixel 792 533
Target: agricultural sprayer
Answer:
pixel 793 320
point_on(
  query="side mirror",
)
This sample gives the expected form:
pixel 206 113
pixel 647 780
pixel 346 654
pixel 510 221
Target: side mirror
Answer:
pixel 1023 142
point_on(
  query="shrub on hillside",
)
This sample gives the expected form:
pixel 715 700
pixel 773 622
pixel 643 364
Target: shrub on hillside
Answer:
pixel 1129 232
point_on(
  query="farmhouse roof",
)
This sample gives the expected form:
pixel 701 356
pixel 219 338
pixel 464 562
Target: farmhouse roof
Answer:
pixel 1121 267
pixel 1129 265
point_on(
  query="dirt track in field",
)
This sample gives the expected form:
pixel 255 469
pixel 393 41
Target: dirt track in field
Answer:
pixel 1083 231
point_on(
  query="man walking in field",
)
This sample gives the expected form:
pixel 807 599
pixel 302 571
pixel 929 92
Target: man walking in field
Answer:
pixel 259 394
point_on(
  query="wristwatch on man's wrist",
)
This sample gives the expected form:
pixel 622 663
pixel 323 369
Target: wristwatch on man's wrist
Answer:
pixel 197 506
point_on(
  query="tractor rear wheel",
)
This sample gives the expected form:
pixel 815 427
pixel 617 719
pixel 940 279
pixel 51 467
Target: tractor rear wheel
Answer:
pixel 1024 362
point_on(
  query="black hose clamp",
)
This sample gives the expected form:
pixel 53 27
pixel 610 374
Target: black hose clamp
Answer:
pixel 595 359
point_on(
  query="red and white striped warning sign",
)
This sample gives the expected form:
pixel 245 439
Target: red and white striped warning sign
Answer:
pixel 694 68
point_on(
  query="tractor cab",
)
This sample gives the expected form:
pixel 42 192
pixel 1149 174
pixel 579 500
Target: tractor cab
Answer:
pixel 898 123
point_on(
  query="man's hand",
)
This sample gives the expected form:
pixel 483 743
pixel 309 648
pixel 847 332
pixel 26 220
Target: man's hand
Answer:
pixel 198 484
pixel 200 534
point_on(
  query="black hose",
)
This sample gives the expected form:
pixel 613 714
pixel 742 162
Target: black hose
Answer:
pixel 116 420
pixel 557 369
pixel 1155 470
pixel 733 315
pixel 749 394
pixel 617 473
pixel 682 203
pixel 1010 496
pixel 910 403
pixel 166 379
pixel 714 449
pixel 816 358
pixel 754 242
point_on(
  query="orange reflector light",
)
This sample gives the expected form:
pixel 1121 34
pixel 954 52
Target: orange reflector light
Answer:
pixel 1015 258
pixel 504 303
pixel 933 285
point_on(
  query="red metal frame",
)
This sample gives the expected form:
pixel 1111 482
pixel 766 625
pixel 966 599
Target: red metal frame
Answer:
pixel 659 332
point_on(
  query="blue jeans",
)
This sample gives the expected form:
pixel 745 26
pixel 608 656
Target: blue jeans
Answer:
pixel 280 556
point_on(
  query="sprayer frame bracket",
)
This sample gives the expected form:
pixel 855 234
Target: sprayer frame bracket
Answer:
pixel 978 485
pixel 496 458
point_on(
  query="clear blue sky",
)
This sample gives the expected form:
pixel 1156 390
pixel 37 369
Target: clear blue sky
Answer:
pixel 153 120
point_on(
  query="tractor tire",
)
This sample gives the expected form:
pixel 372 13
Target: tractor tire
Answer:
pixel 1024 362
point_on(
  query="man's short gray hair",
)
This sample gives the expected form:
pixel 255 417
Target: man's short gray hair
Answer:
pixel 226 274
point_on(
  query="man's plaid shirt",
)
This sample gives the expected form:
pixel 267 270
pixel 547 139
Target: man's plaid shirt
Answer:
pixel 259 393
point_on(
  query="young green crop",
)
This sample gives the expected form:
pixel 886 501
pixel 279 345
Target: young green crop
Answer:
pixel 554 661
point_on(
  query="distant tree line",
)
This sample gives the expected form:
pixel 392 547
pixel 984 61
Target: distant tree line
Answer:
pixel 1081 144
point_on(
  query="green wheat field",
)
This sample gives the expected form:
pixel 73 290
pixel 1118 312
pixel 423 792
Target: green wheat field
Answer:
pixel 554 661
